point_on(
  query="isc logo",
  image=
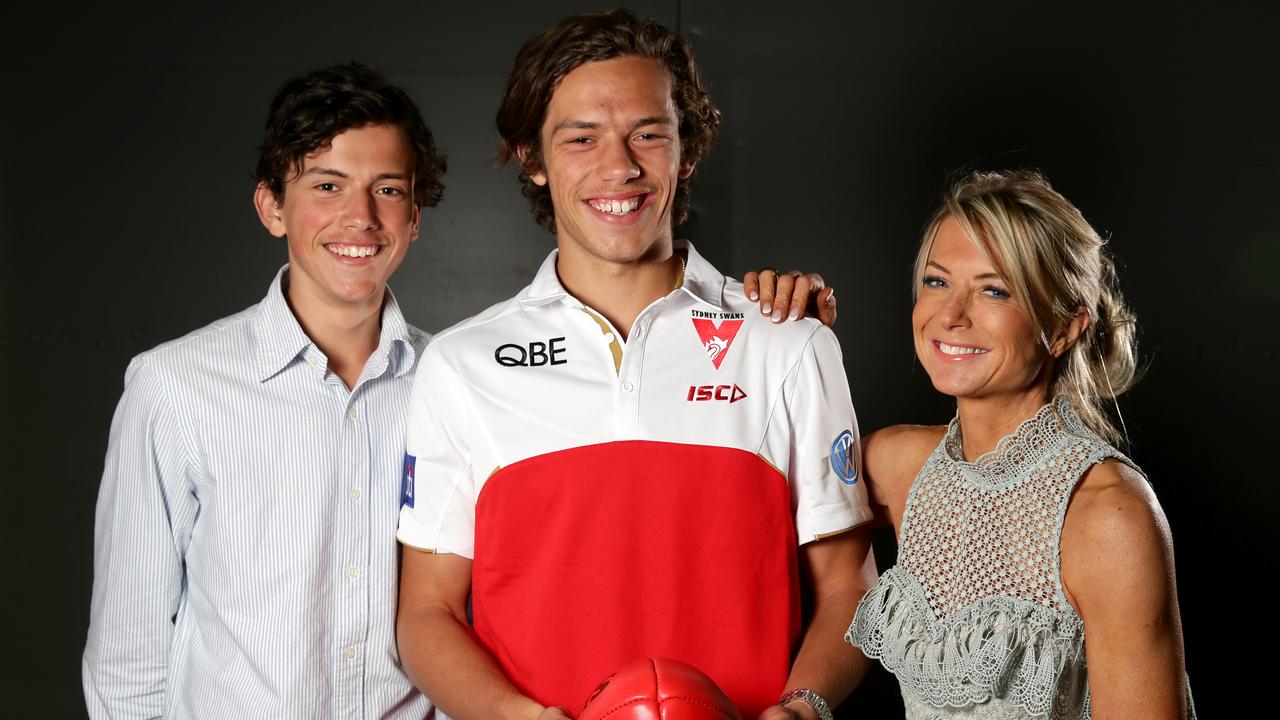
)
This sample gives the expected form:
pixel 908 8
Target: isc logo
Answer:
pixel 703 393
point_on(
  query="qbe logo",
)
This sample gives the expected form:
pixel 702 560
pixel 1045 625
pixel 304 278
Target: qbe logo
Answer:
pixel 844 460
pixel 536 354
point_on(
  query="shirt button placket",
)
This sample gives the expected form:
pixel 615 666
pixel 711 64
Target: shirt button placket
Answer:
pixel 352 544
pixel 626 420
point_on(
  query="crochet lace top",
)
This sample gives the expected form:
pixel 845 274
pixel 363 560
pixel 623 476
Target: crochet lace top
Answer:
pixel 973 619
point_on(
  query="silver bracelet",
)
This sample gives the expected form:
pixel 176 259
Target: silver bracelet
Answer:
pixel 810 698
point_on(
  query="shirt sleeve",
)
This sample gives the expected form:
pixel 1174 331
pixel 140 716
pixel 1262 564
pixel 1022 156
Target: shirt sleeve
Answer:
pixel 437 513
pixel 145 514
pixel 818 434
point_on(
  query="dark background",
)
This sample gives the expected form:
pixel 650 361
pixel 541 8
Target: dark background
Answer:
pixel 129 137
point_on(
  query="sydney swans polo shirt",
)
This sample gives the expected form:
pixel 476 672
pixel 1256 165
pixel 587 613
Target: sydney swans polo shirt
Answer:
pixel 638 498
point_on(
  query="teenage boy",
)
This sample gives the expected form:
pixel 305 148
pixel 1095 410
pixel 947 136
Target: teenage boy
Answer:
pixel 625 460
pixel 244 558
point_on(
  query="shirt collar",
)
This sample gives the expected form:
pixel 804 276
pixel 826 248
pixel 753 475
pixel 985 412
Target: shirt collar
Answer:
pixel 701 280
pixel 396 340
pixel 546 285
pixel 280 340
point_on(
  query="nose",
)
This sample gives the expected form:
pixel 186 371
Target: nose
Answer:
pixel 617 163
pixel 955 310
pixel 360 213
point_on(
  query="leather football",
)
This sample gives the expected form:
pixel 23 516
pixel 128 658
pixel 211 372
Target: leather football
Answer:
pixel 658 689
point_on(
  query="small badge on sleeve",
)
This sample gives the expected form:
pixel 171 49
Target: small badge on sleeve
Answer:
pixel 844 457
pixel 406 485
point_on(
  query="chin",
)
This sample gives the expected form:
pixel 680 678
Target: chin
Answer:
pixel 948 390
pixel 359 293
pixel 956 387
pixel 622 250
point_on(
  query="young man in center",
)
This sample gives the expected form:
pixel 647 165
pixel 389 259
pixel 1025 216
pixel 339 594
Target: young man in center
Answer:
pixel 625 460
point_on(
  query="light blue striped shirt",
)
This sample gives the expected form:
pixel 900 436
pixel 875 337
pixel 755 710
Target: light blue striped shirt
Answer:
pixel 245 560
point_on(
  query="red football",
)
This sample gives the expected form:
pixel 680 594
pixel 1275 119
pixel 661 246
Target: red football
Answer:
pixel 658 689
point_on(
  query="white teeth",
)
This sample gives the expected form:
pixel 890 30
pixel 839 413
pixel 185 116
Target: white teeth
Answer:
pixel 953 350
pixel 617 207
pixel 354 251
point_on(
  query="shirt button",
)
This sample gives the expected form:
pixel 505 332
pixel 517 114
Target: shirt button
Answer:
pixel 353 493
pixel 628 387
pixel 351 412
pixel 608 338
pixel 353 572
pixel 349 653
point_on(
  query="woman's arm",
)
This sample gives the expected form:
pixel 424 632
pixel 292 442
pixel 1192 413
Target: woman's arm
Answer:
pixel 891 458
pixel 1117 568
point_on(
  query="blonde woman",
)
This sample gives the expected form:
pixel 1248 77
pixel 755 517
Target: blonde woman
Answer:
pixel 1035 567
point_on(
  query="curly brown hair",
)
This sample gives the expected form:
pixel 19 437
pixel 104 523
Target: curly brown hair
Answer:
pixel 311 109
pixel 590 37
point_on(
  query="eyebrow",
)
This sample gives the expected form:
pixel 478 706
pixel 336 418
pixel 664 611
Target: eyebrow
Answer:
pixel 652 120
pixel 574 125
pixel 589 125
pixel 326 171
pixel 983 276
pixel 338 173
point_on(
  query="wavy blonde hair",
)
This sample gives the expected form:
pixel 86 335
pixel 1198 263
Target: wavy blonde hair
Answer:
pixel 1055 263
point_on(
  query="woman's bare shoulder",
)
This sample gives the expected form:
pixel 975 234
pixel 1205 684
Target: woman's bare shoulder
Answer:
pixel 1115 532
pixel 894 455
pixel 1114 502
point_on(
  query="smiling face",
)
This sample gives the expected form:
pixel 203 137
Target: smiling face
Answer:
pixel 349 216
pixel 611 158
pixel 972 336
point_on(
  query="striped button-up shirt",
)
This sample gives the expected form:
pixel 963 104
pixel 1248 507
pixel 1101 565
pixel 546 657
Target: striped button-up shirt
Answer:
pixel 245 558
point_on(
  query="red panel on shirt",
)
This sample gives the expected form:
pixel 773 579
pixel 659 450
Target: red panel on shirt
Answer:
pixel 591 557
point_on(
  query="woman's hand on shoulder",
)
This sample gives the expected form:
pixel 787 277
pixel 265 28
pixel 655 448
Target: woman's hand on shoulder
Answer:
pixel 1117 568
pixel 891 459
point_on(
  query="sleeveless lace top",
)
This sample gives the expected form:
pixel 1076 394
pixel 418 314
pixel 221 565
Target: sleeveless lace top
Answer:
pixel 973 619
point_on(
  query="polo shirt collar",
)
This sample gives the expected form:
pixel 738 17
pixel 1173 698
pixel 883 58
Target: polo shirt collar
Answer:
pixel 701 280
pixel 546 285
pixel 279 338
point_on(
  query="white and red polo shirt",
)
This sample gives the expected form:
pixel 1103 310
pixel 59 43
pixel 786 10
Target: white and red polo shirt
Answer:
pixel 626 499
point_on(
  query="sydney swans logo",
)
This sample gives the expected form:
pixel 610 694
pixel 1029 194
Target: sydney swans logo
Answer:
pixel 716 348
pixel 716 337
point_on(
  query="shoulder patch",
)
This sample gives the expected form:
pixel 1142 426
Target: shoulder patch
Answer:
pixel 844 457
pixel 406 484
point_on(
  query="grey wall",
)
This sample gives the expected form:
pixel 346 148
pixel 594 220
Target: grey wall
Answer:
pixel 129 136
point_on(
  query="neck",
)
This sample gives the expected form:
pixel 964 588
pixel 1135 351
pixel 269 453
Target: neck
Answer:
pixel 985 420
pixel 618 290
pixel 346 334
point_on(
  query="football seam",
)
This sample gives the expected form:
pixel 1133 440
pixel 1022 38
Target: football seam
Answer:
pixel 690 700
pixel 632 701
